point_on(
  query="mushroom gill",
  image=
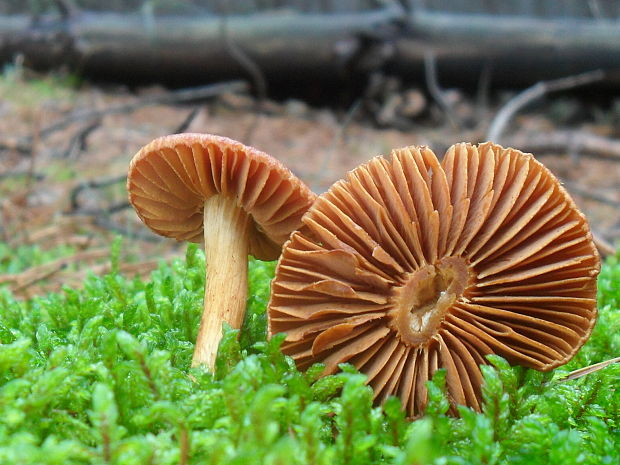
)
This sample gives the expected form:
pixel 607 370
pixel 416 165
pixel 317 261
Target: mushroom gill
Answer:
pixel 409 265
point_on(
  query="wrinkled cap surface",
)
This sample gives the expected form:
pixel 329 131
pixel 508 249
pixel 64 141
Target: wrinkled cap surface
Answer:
pixel 409 265
pixel 170 179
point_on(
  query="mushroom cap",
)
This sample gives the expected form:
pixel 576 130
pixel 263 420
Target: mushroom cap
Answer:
pixel 409 265
pixel 170 179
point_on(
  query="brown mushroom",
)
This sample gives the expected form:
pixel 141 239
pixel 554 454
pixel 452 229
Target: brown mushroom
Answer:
pixel 409 265
pixel 240 200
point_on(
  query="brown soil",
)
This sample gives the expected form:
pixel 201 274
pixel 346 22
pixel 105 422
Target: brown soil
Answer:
pixel 37 185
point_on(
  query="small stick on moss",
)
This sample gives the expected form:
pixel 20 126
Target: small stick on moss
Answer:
pixel 34 279
pixel 147 373
pixel 105 437
pixel 183 444
pixel 589 369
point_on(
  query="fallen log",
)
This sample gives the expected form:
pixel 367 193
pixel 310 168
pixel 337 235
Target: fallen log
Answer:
pixel 289 45
pixel 142 47
pixel 519 49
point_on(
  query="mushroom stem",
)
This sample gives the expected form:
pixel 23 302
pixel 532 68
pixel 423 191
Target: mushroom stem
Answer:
pixel 226 228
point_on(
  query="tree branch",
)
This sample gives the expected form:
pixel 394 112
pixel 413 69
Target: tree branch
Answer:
pixel 565 141
pixel 535 92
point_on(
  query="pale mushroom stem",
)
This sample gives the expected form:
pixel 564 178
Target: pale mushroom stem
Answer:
pixel 226 228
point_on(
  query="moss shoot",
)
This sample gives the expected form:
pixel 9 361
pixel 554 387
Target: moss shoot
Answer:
pixel 101 375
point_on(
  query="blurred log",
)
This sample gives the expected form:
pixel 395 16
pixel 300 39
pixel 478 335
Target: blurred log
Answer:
pixel 184 48
pixel 520 49
pixel 288 45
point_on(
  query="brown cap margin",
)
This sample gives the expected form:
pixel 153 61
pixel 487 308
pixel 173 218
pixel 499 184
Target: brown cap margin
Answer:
pixel 170 179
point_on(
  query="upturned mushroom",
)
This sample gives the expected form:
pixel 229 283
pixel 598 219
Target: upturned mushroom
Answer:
pixel 234 198
pixel 409 265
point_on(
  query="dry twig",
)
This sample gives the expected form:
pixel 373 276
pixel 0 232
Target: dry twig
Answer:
pixel 339 137
pixel 22 172
pixel 190 94
pixel 34 278
pixel 89 185
pixel 564 141
pixel 250 66
pixel 604 247
pixel 187 121
pixel 187 95
pixel 111 226
pixel 535 92
pixel 430 72
pixel 590 195
pixel 589 369
pixel 483 91
pixel 76 278
pixel 17 145
pixel 77 143
pixel 40 272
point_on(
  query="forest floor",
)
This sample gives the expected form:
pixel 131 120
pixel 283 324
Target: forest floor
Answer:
pixel 65 149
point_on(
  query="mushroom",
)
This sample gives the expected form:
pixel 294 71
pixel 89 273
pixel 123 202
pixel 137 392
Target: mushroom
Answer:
pixel 239 200
pixel 409 265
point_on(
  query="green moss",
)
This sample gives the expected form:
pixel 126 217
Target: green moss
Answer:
pixel 102 375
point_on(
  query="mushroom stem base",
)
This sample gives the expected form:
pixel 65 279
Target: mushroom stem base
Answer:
pixel 421 304
pixel 226 229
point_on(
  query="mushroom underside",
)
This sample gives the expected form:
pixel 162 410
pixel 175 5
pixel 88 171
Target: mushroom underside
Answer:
pixel 410 265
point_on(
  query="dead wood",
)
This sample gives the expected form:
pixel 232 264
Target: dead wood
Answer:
pixel 59 277
pixel 589 369
pixel 187 121
pixel 584 143
pixel 180 96
pixel 535 92
pixel 129 232
pixel 74 195
pixel 605 248
pixel 590 194
pixel 432 82
pixel 521 49
pixel 37 273
pixel 78 143
pixel 187 95
pixel 146 47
